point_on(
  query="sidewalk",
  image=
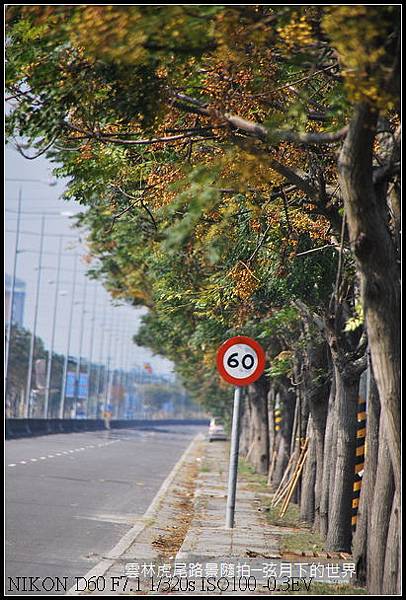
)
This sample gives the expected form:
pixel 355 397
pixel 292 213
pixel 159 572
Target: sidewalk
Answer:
pixel 207 537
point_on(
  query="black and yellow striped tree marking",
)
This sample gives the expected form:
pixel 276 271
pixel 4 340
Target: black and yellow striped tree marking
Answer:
pixel 277 419
pixel 359 458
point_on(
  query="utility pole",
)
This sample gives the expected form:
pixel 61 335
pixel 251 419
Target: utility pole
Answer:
pixel 11 300
pixel 120 373
pixel 78 363
pixel 89 368
pixel 126 381
pixel 108 384
pixel 107 368
pixel 99 370
pixel 114 377
pixel 34 327
pixel 124 377
pixel 51 351
pixel 66 359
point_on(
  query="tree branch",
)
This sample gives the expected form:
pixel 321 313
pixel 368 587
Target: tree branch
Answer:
pixel 143 142
pixel 255 129
pixel 291 175
pixel 140 200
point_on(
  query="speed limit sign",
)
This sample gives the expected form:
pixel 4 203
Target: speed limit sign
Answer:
pixel 240 360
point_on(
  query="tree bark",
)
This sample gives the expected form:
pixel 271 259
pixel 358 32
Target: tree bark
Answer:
pixel 317 393
pixel 258 454
pixel 377 265
pixel 361 540
pixel 327 462
pixel 319 417
pixel 307 499
pixel 346 404
pixel 245 435
pixel 271 429
pixel 287 400
pixel 390 583
pixel 332 467
pixel 381 512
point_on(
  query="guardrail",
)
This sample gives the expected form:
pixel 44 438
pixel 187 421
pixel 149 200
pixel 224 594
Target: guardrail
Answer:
pixel 19 428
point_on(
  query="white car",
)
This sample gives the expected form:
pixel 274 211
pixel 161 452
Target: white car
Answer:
pixel 216 430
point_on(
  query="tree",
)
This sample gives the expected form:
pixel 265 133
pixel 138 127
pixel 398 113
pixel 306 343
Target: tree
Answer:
pixel 204 142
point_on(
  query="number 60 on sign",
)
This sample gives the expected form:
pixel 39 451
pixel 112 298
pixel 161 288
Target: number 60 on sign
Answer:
pixel 240 360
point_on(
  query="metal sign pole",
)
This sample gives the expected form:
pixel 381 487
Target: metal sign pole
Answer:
pixel 232 473
pixel 240 361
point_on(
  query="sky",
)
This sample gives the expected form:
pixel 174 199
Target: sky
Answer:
pixel 107 329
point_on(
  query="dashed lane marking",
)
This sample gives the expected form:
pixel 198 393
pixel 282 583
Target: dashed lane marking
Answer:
pixel 63 452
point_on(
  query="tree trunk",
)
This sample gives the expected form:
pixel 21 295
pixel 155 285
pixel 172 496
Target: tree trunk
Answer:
pixel 390 583
pixel 287 400
pixel 304 414
pixel 245 435
pixel 271 430
pixel 259 449
pixel 318 402
pixel 309 479
pixel 327 462
pixel 377 264
pixel 381 512
pixel 361 538
pixel 346 404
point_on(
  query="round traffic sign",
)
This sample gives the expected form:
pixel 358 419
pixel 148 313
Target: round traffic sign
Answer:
pixel 240 360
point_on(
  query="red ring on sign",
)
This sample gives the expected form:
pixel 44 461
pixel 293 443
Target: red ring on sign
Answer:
pixel 241 339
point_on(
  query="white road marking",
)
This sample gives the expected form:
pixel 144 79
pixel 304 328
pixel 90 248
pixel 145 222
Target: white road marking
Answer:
pixel 24 462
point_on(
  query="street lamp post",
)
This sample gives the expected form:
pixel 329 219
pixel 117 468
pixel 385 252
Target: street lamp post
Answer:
pixel 116 374
pixel 107 374
pixel 99 370
pixel 79 361
pixel 91 350
pixel 34 327
pixel 126 380
pixel 11 300
pixel 66 360
pixel 50 182
pixel 108 384
pixel 50 359
pixel 122 388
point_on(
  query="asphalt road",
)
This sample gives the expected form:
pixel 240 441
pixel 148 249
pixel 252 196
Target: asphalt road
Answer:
pixel 71 497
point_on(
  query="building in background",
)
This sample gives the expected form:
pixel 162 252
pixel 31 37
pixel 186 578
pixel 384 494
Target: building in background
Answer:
pixel 19 300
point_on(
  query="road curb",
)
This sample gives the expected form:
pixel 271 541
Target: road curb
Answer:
pixel 130 537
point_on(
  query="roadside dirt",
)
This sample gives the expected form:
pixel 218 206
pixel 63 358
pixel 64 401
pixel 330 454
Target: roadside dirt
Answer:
pixel 168 543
